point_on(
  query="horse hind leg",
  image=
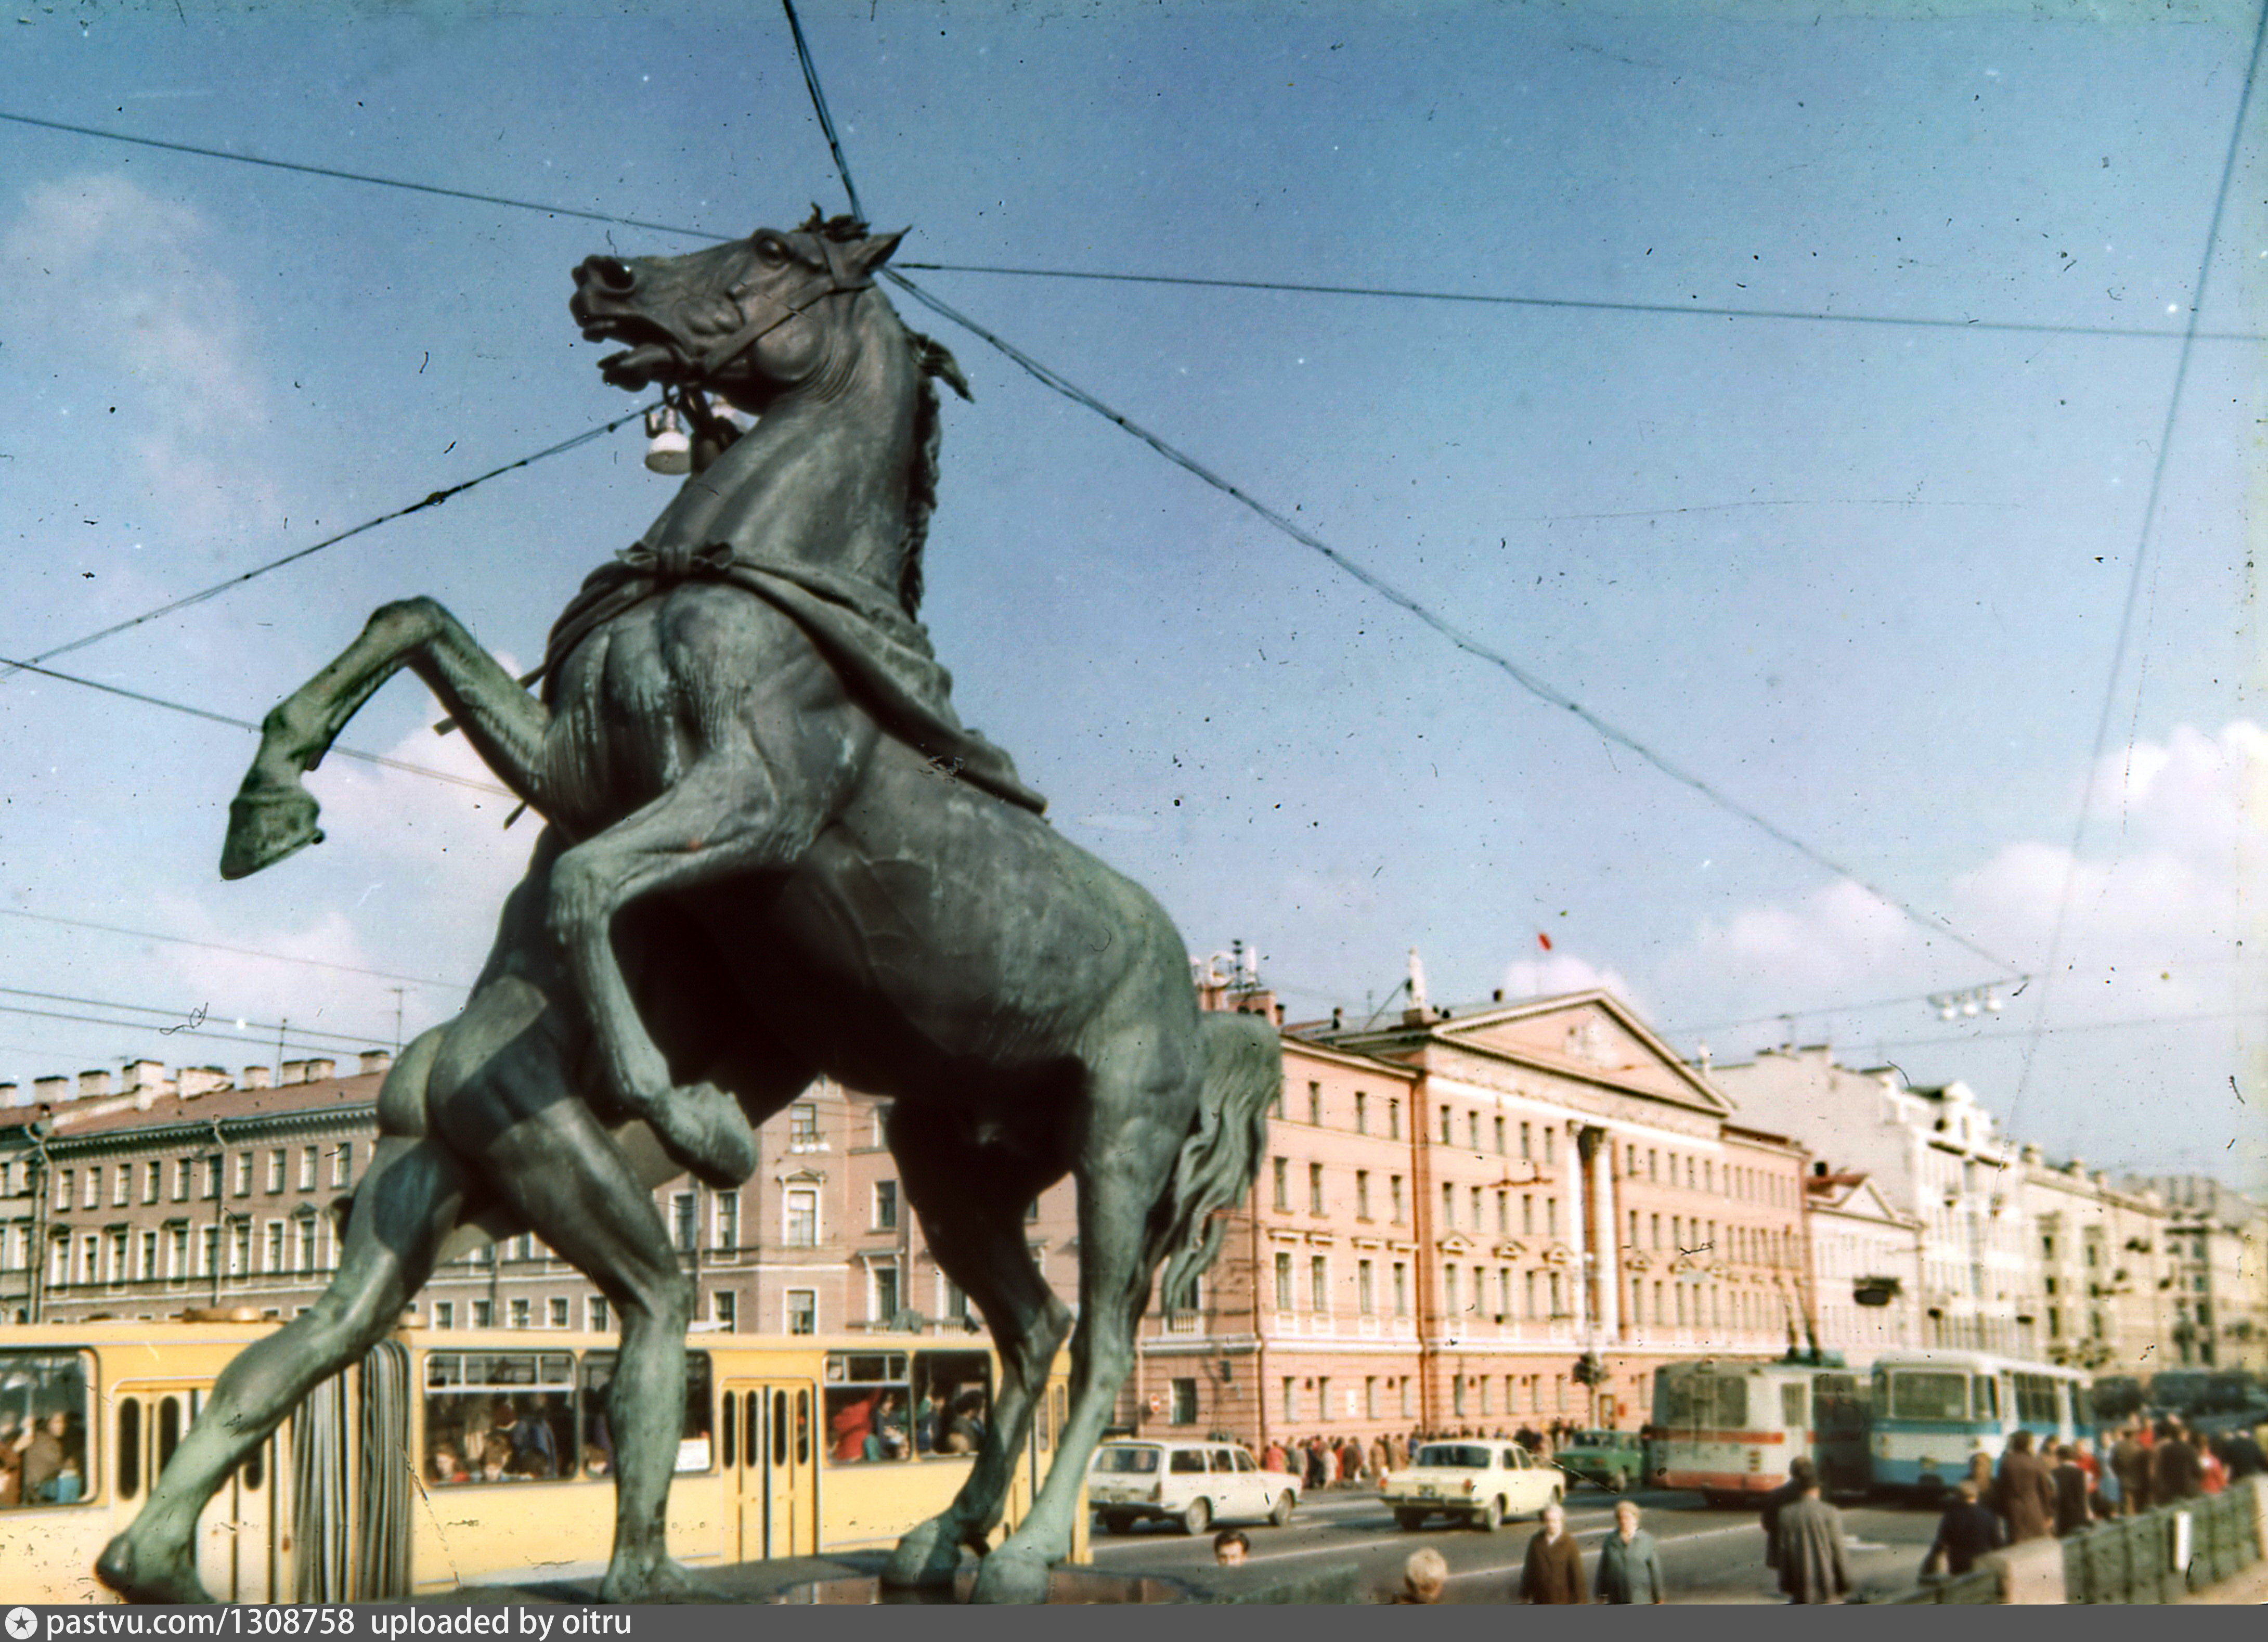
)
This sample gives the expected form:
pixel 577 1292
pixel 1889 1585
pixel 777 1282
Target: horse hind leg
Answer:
pixel 273 815
pixel 972 1214
pixel 412 1197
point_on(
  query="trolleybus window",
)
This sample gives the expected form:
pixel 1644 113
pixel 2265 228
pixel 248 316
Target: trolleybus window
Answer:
pixel 695 1446
pixel 2036 1400
pixel 43 1412
pixel 1701 1402
pixel 868 1394
pixel 499 1417
pixel 952 1400
pixel 1791 1404
pixel 1928 1395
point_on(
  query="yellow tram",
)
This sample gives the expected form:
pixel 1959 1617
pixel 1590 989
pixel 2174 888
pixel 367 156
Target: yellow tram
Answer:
pixel 452 1457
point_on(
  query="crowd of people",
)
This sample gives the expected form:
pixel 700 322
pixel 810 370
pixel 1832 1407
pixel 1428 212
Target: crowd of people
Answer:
pixel 502 1439
pixel 1320 1462
pixel 43 1461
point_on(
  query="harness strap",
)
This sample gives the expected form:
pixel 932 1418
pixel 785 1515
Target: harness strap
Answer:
pixel 839 278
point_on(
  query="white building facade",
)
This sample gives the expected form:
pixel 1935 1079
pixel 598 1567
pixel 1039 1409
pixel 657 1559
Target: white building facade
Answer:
pixel 1867 1263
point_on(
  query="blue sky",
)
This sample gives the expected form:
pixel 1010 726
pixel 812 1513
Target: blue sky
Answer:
pixel 1865 577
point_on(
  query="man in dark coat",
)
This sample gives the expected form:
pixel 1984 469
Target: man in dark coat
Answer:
pixel 1966 1531
pixel 2071 1511
pixel 2244 1458
pixel 1554 1569
pixel 1809 1540
pixel 2176 1471
pixel 2024 1493
pixel 1801 1473
pixel 2130 1462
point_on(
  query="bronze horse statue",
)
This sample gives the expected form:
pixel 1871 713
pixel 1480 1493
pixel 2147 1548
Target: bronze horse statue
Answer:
pixel 771 852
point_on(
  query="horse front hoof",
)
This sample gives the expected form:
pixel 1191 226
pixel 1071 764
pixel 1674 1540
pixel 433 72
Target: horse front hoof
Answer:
pixel 143 1576
pixel 1010 1575
pixel 926 1557
pixel 265 824
pixel 704 1129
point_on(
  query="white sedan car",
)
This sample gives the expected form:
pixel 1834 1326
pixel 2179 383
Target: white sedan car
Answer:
pixel 1475 1482
pixel 1193 1484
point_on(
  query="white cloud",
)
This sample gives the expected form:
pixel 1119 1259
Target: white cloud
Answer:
pixel 1548 975
pixel 99 272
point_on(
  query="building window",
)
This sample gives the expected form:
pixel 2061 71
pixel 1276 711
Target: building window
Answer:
pixel 803 1127
pixel 1280 1173
pixel 1291 1398
pixel 1361 1113
pixel 1394 1120
pixel 520 1314
pixel 882 1294
pixel 561 1313
pixel 1315 1189
pixel 307 1155
pixel 1448 1207
pixel 1449 1290
pixel 66 1183
pixel 207 1251
pixel 149 1271
pixel 153 1175
pixel 1184 1410
pixel 178 1253
pixel 1364 1302
pixel 483 1314
pixel 306 1242
pixel 594 1313
pixel 1446 1139
pixel 1284 1298
pixel 1315 1104
pixel 1499 1136
pixel 122 1191
pixel 684 1221
pixel 276 1246
pixel 342 1164
pixel 1526 1143
pixel 1472 1131
pixel 243 1173
pixel 1319 1284
pixel 1551 1216
pixel 886 1205
pixel 1401 1289
pixel 725 1306
pixel 728 1220
pixel 275 1170
pixel 1394 1197
pixel 1503 1213
pixel 1362 1194
pixel 1457 1394
pixel 93 1188
pixel 1475 1222
pixel 1370 1396
pixel 444 1313
pixel 181 1171
pixel 1548 1161
pixel 802 1210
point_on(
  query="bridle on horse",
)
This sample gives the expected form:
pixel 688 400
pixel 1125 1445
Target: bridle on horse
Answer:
pixel 773 313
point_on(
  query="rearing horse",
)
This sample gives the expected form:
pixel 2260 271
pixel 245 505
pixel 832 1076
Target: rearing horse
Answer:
pixel 771 852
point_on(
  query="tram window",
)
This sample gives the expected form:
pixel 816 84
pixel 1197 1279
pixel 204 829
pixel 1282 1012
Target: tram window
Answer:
pixel 255 1468
pixel 500 1416
pixel 1929 1397
pixel 779 1428
pixel 43 1414
pixel 169 1429
pixel 803 1428
pixel 752 1428
pixel 129 1448
pixel 952 1400
pixel 868 1394
pixel 1792 1400
pixel 695 1449
pixel 726 1435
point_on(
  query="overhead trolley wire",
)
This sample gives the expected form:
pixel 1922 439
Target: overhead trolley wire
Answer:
pixel 1298 287
pixel 379 759
pixel 212 945
pixel 1463 640
pixel 2118 648
pixel 433 498
pixel 190 1015
pixel 819 107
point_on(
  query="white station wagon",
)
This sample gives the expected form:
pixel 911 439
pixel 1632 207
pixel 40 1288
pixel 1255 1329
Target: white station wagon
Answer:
pixel 1192 1483
pixel 1475 1482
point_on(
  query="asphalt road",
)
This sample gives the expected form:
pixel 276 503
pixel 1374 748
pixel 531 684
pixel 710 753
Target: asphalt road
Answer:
pixel 1708 1556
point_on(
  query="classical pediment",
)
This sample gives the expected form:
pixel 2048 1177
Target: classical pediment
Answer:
pixel 1591 1035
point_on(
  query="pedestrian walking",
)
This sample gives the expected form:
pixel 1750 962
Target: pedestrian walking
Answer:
pixel 2024 1493
pixel 1968 1529
pixel 1808 1537
pixel 2244 1456
pixel 1801 1475
pixel 2071 1511
pixel 1553 1572
pixel 1629 1566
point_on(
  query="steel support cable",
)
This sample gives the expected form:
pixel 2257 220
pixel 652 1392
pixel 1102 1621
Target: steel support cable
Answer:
pixel 1471 645
pixel 2118 648
pixel 1295 287
pixel 9 669
pixel 379 759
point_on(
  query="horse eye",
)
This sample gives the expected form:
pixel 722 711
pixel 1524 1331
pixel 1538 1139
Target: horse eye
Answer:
pixel 771 250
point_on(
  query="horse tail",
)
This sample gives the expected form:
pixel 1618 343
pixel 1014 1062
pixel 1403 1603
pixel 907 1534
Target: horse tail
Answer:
pixel 1244 1072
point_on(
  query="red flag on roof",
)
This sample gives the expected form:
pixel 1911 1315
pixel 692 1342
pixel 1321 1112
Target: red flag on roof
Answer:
pixel 1543 940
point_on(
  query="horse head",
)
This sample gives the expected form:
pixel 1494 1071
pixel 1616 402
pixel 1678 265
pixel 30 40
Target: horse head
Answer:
pixel 750 318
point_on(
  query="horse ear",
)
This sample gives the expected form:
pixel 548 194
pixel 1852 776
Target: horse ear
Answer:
pixel 872 252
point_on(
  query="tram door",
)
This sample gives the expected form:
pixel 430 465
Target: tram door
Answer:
pixel 773 1470
pixel 239 1557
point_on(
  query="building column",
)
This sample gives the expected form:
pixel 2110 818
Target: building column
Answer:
pixel 1580 1302
pixel 1608 1267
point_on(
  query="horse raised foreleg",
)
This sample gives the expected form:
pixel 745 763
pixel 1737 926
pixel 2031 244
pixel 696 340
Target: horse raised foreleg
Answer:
pixel 970 1199
pixel 273 815
pixel 726 817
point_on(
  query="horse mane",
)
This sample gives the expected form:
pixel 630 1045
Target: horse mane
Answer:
pixel 932 360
